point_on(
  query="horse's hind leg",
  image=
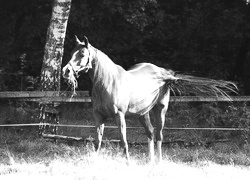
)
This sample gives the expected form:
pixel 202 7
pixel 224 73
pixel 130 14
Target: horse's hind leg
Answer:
pixel 145 121
pixel 120 119
pixel 160 111
pixel 100 129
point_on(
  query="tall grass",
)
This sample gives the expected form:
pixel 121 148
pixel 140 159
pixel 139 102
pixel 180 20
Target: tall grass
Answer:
pixel 22 154
pixel 37 158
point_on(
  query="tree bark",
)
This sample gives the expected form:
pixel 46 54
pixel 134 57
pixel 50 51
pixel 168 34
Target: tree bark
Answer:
pixel 53 51
pixel 52 60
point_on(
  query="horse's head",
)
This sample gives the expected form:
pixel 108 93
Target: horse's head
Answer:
pixel 81 60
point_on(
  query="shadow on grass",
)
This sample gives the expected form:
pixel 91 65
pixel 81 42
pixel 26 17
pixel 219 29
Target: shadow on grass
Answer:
pixel 28 147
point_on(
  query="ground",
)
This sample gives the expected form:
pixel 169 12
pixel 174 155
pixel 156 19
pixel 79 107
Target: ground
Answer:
pixel 24 155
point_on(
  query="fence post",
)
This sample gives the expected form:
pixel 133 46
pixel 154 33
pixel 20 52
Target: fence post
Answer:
pixel 247 131
pixel 48 117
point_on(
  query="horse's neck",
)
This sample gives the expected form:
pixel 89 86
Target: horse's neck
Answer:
pixel 104 70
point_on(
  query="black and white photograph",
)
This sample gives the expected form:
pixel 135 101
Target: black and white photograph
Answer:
pixel 124 89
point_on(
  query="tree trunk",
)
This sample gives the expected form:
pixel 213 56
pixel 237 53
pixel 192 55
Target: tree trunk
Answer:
pixel 53 51
pixel 52 60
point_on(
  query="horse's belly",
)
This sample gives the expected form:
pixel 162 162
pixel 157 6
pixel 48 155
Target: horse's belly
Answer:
pixel 141 107
pixel 143 97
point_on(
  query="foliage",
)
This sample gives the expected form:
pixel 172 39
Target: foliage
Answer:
pixel 10 110
pixel 205 37
pixel 210 115
pixel 190 115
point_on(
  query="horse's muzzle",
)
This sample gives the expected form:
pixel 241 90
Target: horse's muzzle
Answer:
pixel 67 72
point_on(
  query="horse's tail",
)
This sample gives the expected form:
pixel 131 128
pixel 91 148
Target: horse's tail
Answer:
pixel 200 86
pixel 187 85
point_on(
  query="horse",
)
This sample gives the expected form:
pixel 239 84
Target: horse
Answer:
pixel 143 88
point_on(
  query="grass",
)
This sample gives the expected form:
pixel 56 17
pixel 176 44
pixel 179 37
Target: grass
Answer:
pixel 26 156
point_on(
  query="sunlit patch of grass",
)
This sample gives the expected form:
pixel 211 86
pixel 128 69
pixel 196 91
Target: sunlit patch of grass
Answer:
pixel 32 158
pixel 218 156
pixel 109 167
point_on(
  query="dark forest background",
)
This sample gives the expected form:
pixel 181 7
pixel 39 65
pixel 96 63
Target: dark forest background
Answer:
pixel 205 37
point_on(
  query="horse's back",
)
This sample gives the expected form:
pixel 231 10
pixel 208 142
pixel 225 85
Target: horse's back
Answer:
pixel 143 69
pixel 146 84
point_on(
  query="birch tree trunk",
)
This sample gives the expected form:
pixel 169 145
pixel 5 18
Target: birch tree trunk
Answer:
pixel 53 51
pixel 52 60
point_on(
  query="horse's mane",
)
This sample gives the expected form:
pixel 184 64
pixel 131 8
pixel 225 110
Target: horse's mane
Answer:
pixel 105 71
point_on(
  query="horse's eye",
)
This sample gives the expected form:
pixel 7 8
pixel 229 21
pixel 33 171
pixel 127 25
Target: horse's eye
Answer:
pixel 82 53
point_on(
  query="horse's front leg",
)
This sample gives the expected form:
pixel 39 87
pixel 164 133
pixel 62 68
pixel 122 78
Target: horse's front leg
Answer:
pixel 120 119
pixel 100 129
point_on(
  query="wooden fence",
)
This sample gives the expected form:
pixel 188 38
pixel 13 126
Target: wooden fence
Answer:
pixel 84 97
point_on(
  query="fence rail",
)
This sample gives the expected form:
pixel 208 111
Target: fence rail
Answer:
pixel 129 127
pixel 83 96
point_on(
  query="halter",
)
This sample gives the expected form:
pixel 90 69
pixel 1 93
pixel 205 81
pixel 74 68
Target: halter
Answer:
pixel 74 72
pixel 85 68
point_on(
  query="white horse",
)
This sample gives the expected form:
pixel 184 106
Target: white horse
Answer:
pixel 143 88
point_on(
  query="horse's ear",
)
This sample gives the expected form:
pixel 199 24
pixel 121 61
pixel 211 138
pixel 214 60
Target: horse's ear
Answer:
pixel 77 40
pixel 86 41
